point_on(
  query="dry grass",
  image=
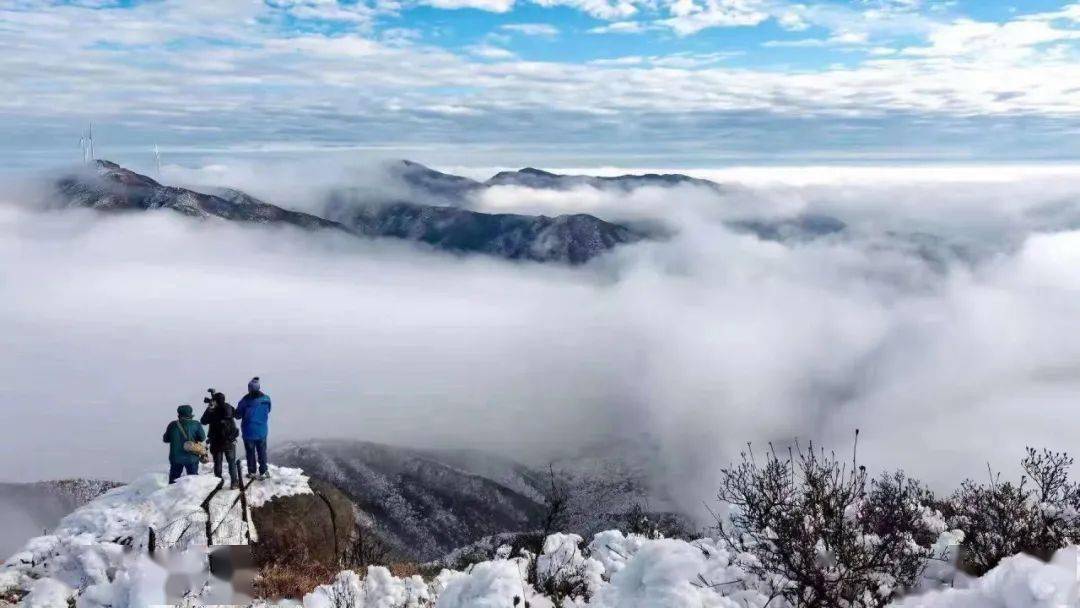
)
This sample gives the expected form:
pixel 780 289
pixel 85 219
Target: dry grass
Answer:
pixel 404 569
pixel 293 580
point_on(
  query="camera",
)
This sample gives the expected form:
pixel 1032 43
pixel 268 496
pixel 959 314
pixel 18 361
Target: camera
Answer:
pixel 209 400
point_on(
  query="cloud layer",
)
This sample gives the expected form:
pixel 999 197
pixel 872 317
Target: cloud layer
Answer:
pixel 910 78
pixel 941 324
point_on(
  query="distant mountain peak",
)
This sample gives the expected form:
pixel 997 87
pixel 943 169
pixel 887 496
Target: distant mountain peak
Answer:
pixel 534 171
pixel 530 177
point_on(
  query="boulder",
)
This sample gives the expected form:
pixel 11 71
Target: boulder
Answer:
pixel 304 528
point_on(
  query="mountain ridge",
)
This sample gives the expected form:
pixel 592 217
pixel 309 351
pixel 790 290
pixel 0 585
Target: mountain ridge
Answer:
pixel 568 239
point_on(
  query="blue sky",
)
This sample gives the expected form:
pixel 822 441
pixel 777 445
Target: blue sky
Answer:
pixel 675 81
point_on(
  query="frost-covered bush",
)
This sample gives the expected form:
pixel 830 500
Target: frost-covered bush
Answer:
pixel 563 573
pixel 1038 515
pixel 639 521
pixel 820 533
pixel 378 589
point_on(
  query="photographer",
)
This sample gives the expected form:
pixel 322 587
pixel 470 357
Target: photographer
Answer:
pixel 223 433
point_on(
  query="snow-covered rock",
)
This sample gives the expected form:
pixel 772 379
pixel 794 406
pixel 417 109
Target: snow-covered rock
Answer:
pixel 669 573
pixel 492 584
pixel 1020 581
pixel 99 553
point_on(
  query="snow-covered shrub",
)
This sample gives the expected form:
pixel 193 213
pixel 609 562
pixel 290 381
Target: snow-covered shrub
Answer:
pixel 366 548
pixel 639 521
pixel 563 573
pixel 377 589
pixel 1038 515
pixel 820 533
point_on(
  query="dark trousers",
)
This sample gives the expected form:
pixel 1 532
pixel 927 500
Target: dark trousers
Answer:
pixel 228 454
pixel 255 448
pixel 176 470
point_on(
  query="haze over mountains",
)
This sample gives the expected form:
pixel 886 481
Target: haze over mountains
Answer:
pixel 437 209
pixel 756 316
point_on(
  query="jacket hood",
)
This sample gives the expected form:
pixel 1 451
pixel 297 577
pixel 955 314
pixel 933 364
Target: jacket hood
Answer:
pixel 185 411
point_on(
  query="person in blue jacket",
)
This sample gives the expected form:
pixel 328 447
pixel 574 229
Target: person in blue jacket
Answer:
pixel 254 412
pixel 185 428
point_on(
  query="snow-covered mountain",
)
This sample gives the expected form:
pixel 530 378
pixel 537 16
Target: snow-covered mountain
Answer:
pixel 430 185
pixel 545 180
pixel 426 503
pixel 114 188
pixel 571 239
pixel 421 504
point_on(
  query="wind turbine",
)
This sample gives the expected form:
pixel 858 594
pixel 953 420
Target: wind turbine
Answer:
pixel 86 144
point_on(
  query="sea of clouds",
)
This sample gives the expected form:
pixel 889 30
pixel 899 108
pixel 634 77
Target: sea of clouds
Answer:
pixel 942 323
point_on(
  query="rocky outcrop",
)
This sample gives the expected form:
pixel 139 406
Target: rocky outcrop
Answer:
pixel 316 527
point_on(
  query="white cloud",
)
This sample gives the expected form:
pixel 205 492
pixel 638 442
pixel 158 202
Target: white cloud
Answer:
pixel 792 20
pixel 533 29
pixel 495 6
pixel 243 74
pixel 602 9
pixel 328 10
pixel 692 16
pixel 701 342
pixel 622 27
pixel 1010 41
pixel 487 51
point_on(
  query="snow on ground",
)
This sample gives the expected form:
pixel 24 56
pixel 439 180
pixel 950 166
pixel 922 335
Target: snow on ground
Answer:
pixel 622 571
pixel 1020 581
pixel 618 572
pixel 98 553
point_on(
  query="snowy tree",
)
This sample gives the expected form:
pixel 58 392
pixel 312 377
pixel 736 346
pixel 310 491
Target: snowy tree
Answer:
pixel 1037 515
pixel 819 533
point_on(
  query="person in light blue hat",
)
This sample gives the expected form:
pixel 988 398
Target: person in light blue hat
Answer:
pixel 254 413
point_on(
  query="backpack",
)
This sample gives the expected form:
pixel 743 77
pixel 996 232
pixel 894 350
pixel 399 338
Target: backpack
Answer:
pixel 228 425
pixel 193 447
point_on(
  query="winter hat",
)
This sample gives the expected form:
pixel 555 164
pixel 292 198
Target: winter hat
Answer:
pixel 185 411
pixel 253 386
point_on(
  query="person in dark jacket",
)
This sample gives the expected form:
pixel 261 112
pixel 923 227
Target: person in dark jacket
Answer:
pixel 184 428
pixel 222 436
pixel 254 411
